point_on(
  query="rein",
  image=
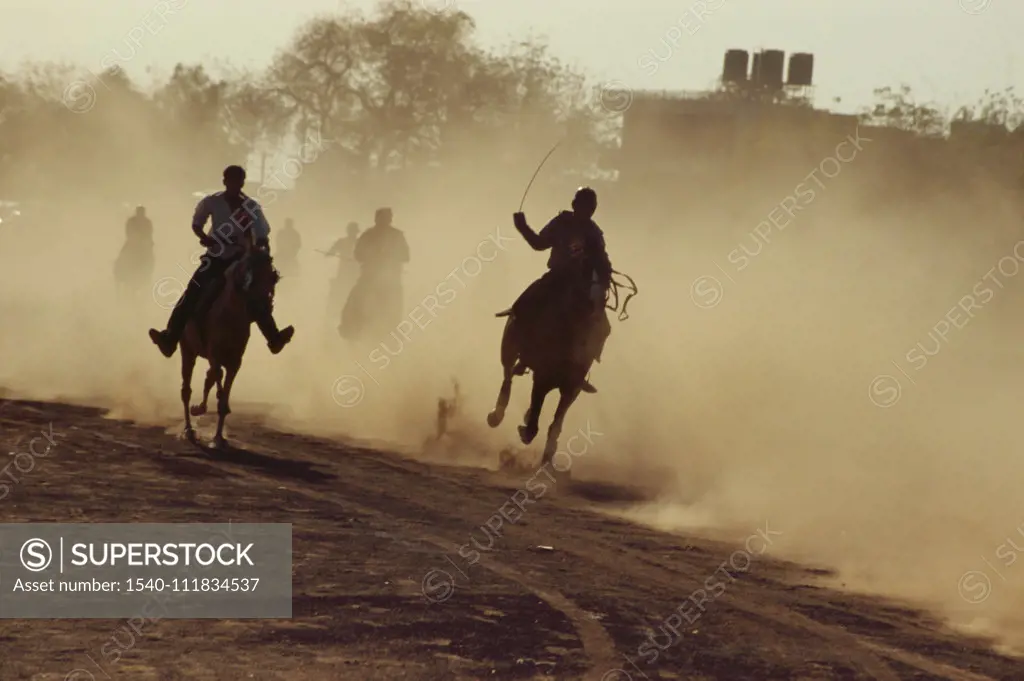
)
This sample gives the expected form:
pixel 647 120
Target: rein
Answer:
pixel 616 285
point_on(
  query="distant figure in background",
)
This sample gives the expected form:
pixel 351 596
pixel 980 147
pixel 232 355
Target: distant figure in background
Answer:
pixel 288 244
pixel 375 303
pixel 344 250
pixel 133 269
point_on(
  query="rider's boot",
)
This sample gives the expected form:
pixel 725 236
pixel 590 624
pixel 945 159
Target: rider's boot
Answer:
pixel 167 340
pixel 276 340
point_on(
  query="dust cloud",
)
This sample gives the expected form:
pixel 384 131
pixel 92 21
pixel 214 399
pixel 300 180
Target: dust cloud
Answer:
pixel 760 408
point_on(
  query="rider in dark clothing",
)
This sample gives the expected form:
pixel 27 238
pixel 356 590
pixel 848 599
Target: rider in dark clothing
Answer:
pixel 235 217
pixel 138 230
pixel 134 264
pixel 376 299
pixel 578 258
pixel 344 250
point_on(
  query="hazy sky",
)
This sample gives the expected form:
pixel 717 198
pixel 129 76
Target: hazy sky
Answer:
pixel 943 51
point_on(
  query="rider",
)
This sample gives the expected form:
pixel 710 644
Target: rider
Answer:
pixel 233 214
pixel 380 251
pixel 344 247
pixel 575 240
pixel 138 230
pixel 135 262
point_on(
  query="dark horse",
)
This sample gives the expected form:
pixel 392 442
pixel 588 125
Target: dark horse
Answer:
pixel 219 333
pixel 552 344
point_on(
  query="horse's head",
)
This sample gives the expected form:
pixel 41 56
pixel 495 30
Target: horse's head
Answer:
pixel 257 277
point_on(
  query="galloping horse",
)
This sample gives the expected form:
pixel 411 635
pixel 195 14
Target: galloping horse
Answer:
pixel 219 333
pixel 552 345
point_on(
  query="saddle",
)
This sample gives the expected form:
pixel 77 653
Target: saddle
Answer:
pixel 210 295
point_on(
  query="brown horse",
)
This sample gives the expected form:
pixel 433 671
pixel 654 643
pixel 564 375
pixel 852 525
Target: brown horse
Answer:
pixel 221 333
pixel 551 344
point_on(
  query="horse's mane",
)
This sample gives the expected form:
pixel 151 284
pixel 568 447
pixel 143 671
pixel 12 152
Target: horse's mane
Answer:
pixel 262 258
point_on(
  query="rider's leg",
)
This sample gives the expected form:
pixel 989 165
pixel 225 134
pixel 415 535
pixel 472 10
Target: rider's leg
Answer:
pixel 209 270
pixel 597 335
pixel 602 329
pixel 276 339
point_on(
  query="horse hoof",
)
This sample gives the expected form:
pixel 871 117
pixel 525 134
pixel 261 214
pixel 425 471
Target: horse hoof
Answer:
pixel 526 435
pixel 495 418
pixel 189 434
pixel 197 409
pixel 220 443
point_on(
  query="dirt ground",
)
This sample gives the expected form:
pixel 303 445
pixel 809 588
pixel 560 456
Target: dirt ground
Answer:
pixel 402 571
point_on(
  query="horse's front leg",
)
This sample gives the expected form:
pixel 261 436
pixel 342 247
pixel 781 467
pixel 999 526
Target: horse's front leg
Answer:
pixel 213 376
pixel 509 357
pixel 223 405
pixel 565 400
pixel 188 363
pixel 495 417
pixel 531 421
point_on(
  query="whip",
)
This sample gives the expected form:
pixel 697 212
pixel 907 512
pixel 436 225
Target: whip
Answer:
pixel 535 174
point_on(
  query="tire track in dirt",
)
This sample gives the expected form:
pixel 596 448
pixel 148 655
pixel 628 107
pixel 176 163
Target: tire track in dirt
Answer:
pixel 754 602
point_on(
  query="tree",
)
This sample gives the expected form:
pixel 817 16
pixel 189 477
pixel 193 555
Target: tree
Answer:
pixel 898 108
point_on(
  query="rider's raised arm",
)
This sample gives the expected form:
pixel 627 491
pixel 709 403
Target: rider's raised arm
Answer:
pixel 544 240
pixel 202 214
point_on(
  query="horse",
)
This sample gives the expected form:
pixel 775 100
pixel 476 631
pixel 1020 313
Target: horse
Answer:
pixel 373 308
pixel 133 269
pixel 553 345
pixel 219 333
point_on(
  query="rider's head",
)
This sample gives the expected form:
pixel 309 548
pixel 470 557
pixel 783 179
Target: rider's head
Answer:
pixel 234 179
pixel 352 229
pixel 140 211
pixel 382 217
pixel 584 203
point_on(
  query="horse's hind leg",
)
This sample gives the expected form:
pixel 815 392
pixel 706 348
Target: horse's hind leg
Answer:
pixel 223 406
pixel 188 363
pixel 565 400
pixel 213 376
pixel 531 424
